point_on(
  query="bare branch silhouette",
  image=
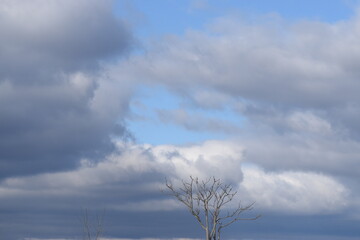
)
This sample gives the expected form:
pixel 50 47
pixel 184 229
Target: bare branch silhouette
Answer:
pixel 90 231
pixel 205 200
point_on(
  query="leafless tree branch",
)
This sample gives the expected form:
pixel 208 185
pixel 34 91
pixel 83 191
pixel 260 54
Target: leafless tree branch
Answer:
pixel 205 199
pixel 91 232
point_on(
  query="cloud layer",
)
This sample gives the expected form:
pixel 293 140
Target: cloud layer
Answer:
pixel 132 181
pixel 295 86
pixel 65 90
pixel 52 100
pixel 272 68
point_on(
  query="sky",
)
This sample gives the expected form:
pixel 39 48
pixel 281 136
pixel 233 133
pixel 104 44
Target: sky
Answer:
pixel 102 100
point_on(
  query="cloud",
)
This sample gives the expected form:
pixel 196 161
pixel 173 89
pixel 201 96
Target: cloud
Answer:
pixel 307 121
pixel 198 5
pixel 196 121
pixel 295 192
pixel 52 84
pixel 63 97
pixel 326 154
pixel 209 99
pixel 58 36
pixel 129 184
pixel 306 66
pixel 140 170
pixel 295 85
pixel 212 158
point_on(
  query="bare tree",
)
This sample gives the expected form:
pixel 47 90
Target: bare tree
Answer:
pixel 91 231
pixel 206 201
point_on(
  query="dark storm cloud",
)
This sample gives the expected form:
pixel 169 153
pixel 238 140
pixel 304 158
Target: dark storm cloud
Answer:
pixel 51 84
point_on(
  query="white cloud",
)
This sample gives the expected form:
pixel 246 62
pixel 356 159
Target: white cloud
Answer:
pixel 212 158
pixel 294 191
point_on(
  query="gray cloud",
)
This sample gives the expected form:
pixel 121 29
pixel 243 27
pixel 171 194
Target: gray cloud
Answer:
pixel 305 65
pixel 295 85
pixel 197 122
pixel 51 83
pixel 59 36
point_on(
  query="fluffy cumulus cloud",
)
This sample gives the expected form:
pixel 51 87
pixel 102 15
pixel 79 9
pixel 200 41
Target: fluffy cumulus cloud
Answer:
pixel 53 92
pixel 213 158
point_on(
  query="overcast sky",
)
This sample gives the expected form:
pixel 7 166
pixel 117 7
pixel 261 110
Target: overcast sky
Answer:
pixel 101 101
